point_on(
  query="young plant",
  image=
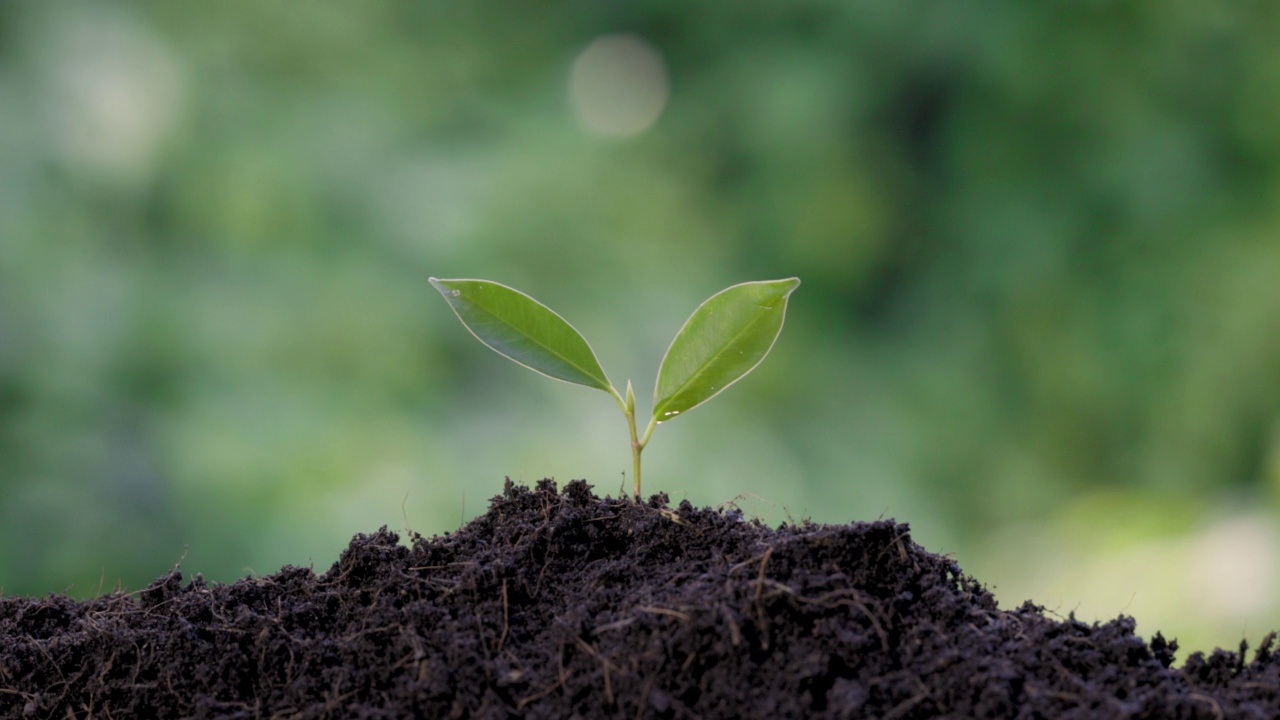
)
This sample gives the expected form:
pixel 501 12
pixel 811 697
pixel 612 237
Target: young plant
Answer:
pixel 724 339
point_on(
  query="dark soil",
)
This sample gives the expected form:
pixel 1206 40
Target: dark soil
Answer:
pixel 565 605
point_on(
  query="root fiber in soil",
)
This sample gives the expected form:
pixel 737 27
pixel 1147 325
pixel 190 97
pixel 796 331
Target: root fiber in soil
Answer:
pixel 561 604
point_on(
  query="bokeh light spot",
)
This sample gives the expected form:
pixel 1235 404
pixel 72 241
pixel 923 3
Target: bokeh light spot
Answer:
pixel 114 95
pixel 618 86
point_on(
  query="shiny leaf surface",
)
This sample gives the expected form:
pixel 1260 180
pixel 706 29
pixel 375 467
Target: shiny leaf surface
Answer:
pixel 724 339
pixel 524 330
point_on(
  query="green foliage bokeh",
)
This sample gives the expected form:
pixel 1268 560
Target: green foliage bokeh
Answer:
pixel 1040 246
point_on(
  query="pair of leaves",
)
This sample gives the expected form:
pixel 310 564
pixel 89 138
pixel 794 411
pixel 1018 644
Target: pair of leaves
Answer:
pixel 724 339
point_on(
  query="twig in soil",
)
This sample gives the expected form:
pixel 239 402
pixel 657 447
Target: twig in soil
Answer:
pixel 561 678
pixel 615 625
pixel 484 641
pixel 644 696
pixel 505 618
pixel 688 661
pixel 663 611
pixel 905 706
pixel 735 634
pixel 849 596
pixel 733 501
pixel 541 694
pixel 762 621
pixel 1213 704
pixel 904 555
pixel 672 515
pixel 749 561
pixel 604 664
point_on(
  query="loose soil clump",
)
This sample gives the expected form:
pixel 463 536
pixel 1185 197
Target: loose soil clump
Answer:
pixel 560 604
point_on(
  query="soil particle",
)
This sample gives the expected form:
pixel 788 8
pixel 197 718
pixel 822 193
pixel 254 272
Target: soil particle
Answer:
pixel 560 604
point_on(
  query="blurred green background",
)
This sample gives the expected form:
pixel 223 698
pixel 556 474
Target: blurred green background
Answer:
pixel 1040 246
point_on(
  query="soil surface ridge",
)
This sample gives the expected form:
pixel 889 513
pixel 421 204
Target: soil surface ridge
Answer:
pixel 561 604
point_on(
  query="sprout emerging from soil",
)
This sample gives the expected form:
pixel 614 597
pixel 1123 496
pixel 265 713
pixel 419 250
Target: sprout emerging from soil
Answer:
pixel 724 339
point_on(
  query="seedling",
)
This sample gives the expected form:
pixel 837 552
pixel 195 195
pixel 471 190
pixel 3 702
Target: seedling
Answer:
pixel 724 339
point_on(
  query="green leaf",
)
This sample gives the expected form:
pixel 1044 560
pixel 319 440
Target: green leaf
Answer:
pixel 524 330
pixel 724 339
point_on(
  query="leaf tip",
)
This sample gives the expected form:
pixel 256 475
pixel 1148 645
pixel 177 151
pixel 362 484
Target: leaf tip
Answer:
pixel 444 289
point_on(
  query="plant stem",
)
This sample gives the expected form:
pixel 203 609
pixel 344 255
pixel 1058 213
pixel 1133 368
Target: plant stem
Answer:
pixel 653 423
pixel 637 445
pixel 628 406
pixel 636 449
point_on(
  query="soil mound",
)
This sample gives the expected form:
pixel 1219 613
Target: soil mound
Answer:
pixel 560 604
